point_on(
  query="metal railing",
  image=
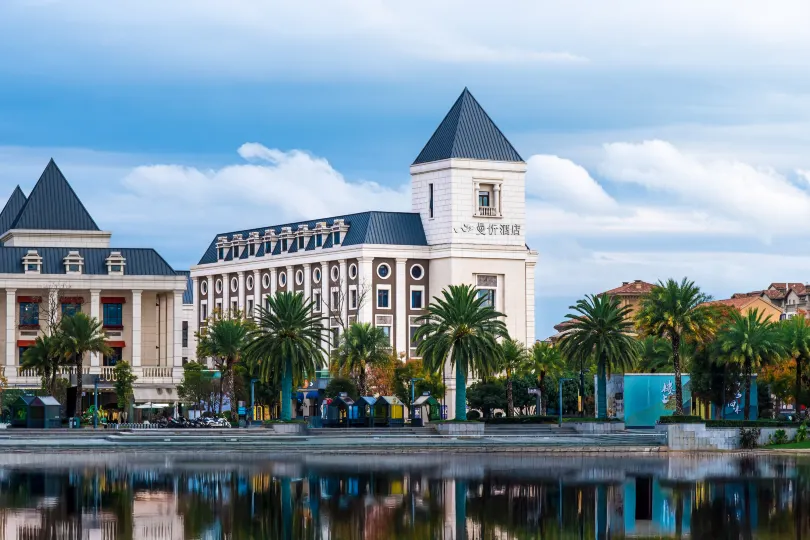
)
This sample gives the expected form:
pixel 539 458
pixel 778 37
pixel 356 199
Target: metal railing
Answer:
pixel 489 211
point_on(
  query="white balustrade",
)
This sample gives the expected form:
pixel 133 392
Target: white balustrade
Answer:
pixel 108 373
pixel 157 372
pixel 488 211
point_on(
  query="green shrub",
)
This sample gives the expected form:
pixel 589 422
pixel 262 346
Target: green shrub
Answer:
pixel 749 423
pixel 577 419
pixel 749 437
pixel 521 420
pixel 473 415
pixel 801 433
pixel 680 419
pixel 778 437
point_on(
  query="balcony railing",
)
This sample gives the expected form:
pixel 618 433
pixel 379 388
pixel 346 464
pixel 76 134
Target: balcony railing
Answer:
pixel 108 373
pixel 488 211
pixel 157 372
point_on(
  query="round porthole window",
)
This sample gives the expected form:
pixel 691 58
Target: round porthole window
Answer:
pixel 218 286
pixel 299 277
pixel 266 281
pixel 352 271
pixel 249 283
pixel 417 272
pixel 335 273
pixel 282 279
pixel 234 284
pixel 316 275
pixel 383 271
pixel 204 286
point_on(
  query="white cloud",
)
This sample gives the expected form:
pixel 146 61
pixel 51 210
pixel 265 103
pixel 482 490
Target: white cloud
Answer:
pixel 562 182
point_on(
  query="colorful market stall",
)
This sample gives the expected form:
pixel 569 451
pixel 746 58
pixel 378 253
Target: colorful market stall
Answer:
pixel 427 408
pixel 363 412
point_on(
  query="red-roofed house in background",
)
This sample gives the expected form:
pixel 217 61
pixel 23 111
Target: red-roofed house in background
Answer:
pixel 788 297
pixel 746 304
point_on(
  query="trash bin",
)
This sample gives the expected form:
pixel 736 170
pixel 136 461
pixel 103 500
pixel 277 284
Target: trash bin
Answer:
pixel 75 422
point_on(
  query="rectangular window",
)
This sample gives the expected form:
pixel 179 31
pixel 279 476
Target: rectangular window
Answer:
pixel 319 240
pixel 234 306
pixel 267 248
pixel 250 308
pixel 316 301
pixel 71 309
pixel 335 304
pixel 335 337
pixel 252 250
pixel 22 352
pixel 383 299
pixel 218 308
pixel 483 198
pixel 114 358
pixel 336 239
pixel 488 295
pixel 29 313
pixel 114 315
pixel 203 312
pixel 284 244
pixel 387 331
pixel 221 253
pixel 413 330
pixel 416 299
pixel 430 203
pixel 353 298
pixel 300 242
pixel 115 268
pixel 185 333
pixel 267 303
pixel 73 268
pixel 32 267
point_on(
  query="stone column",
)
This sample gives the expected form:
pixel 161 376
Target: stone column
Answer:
pixel 496 195
pixel 365 289
pixel 257 294
pixel 177 331
pixel 212 303
pixel 194 323
pixel 11 327
pixel 290 279
pixel 325 302
pixel 95 312
pixel 344 292
pixel 226 294
pixel 241 294
pixel 403 300
pixel 136 328
pixel 273 281
pixel 307 282
pixel 476 189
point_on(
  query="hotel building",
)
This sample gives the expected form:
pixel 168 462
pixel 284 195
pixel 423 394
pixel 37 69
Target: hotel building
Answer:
pixel 54 259
pixel 467 225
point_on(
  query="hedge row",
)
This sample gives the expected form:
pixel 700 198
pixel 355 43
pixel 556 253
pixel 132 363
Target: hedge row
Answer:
pixel 544 420
pixel 750 423
pixel 680 419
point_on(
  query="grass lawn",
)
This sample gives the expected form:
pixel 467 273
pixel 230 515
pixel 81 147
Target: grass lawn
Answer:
pixel 789 446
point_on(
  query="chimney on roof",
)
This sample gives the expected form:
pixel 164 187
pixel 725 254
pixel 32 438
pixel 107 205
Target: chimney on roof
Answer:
pixel 637 281
pixel 625 283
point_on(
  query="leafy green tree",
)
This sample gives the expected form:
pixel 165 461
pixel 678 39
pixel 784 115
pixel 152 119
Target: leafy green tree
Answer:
pixel 676 311
pixel 81 334
pixel 340 385
pixel 44 357
pixel 124 379
pixel 461 328
pixel 545 359
pixel 750 340
pixel 513 359
pixel 795 334
pixel 425 381
pixel 197 386
pixel 601 326
pixel 487 396
pixel 655 355
pixel 224 340
pixel 361 346
pixel 287 345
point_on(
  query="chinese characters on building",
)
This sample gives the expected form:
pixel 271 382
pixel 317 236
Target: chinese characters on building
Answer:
pixel 482 229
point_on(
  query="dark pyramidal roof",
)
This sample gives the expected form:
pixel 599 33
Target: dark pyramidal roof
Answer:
pixel 467 132
pixel 12 209
pixel 53 205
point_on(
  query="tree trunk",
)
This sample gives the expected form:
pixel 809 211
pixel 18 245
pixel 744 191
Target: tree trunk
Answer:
pixel 461 390
pixel 232 393
pixel 286 391
pixel 510 402
pixel 747 375
pixel 582 390
pixel 798 382
pixel 78 366
pixel 543 398
pixel 461 509
pixel 676 363
pixel 601 402
pixel 361 380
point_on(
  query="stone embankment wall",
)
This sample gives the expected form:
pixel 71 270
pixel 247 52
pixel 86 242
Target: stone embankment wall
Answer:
pixel 700 437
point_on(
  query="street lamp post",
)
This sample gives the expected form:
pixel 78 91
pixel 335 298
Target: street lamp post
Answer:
pixel 562 380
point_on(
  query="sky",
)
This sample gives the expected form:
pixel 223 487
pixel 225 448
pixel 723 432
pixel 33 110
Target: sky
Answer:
pixel 663 139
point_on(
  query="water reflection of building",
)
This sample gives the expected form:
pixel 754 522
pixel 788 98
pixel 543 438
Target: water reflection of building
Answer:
pixel 155 516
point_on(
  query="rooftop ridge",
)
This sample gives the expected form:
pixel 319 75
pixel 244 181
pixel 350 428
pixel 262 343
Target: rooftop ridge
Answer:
pixel 12 209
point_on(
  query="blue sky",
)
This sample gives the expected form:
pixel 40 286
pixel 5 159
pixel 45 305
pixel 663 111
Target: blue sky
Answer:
pixel 663 139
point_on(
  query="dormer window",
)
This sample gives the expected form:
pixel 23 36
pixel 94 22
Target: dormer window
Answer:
pixel 116 263
pixel 222 247
pixel 300 242
pixel 32 262
pixel 488 197
pixel 319 240
pixel 253 241
pixel 339 229
pixel 269 241
pixel 74 263
pixel 336 238
pixel 283 244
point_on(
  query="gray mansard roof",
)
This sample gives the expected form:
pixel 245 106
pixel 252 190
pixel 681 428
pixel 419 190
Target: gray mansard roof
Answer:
pixel 467 132
pixel 12 209
pixel 392 228
pixel 139 261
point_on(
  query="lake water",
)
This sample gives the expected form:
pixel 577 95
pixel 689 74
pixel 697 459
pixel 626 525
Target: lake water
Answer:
pixel 213 495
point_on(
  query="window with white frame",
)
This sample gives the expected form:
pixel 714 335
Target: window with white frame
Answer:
pixel 335 273
pixel 488 200
pixel 204 286
pixel 352 319
pixel 234 284
pixel 203 310
pixel 300 242
pixel 413 328
pixel 316 300
pixel 383 270
pixel 234 306
pixel 266 281
pixel 334 299
pixel 487 288
pixel 249 312
pixel 73 263
pixel 417 297
pixel 299 277
pixel 352 271
pixel 316 275
pixel 249 283
pixel 116 263
pixel 334 329
pixel 417 272
pixel 218 286
pixel 282 279
pixel 218 307
pixel 383 297
pixel 384 323
pixel 32 262
pixel 352 296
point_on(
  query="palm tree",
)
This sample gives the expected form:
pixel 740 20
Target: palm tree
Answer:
pixel 224 340
pixel 81 334
pixel 544 360
pixel 514 358
pixel 287 345
pixel 461 328
pixel 44 357
pixel 796 339
pixel 750 340
pixel 362 345
pixel 601 326
pixel 676 311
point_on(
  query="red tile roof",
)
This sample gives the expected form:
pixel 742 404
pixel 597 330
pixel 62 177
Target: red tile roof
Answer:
pixel 737 303
pixel 631 288
pixel 798 288
pixel 747 294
